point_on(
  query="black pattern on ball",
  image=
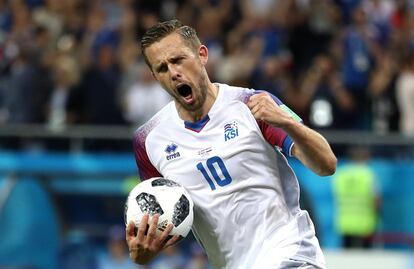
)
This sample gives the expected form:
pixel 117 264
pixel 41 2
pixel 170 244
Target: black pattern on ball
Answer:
pixel 181 210
pixel 149 204
pixel 125 213
pixel 164 182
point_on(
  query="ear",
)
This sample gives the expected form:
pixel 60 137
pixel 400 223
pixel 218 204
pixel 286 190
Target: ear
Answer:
pixel 203 54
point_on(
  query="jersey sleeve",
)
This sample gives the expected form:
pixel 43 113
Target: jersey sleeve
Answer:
pixel 145 168
pixel 277 136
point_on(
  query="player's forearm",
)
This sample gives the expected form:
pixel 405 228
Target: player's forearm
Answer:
pixel 311 149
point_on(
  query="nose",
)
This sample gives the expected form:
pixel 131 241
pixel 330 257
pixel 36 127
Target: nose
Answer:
pixel 174 73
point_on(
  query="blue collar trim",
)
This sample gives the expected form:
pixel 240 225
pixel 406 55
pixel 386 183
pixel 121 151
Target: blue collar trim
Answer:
pixel 198 125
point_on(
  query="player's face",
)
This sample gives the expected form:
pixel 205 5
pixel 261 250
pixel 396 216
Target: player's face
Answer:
pixel 180 70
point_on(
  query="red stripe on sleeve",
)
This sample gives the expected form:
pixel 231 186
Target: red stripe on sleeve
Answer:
pixel 275 136
pixel 145 168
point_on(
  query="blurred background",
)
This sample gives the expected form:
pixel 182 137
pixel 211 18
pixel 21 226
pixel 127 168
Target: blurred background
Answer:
pixel 74 87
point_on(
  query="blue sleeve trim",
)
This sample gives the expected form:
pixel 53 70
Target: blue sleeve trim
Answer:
pixel 287 146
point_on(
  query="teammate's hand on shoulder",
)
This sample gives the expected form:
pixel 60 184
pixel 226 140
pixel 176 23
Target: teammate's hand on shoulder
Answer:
pixel 146 245
pixel 264 108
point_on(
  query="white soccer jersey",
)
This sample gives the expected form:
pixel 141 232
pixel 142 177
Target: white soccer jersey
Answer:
pixel 246 196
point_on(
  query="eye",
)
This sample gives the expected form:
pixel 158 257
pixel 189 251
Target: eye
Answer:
pixel 162 68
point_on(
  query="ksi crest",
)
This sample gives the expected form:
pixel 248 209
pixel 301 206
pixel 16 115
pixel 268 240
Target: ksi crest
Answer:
pixel 231 130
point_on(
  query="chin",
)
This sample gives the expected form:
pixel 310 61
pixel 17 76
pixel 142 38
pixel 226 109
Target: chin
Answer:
pixel 192 107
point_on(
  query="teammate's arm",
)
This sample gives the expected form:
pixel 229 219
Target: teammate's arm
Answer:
pixel 309 146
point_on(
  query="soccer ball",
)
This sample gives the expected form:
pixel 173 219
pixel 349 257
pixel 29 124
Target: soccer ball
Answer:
pixel 164 197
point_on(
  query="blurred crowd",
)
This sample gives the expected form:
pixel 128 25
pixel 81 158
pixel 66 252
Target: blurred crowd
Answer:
pixel 339 64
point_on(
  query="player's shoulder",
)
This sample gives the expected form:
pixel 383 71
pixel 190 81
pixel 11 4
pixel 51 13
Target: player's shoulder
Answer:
pixel 243 94
pixel 234 93
pixel 142 132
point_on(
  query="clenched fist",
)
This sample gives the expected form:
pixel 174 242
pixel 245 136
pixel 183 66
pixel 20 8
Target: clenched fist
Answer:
pixel 264 108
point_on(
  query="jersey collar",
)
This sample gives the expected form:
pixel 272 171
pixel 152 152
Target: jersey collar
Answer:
pixel 198 125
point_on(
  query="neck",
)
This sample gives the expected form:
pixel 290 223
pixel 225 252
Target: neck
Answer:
pixel 194 116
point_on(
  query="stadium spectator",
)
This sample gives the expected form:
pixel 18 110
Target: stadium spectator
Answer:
pixel 66 77
pixel 379 14
pixel 29 79
pixel 50 15
pixel 405 96
pixel 357 65
pixel 382 88
pixel 272 75
pixel 96 96
pixel 357 201
pixel 322 98
pixel 145 88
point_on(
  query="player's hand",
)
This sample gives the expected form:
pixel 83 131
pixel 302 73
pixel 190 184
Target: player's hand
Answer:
pixel 264 108
pixel 144 246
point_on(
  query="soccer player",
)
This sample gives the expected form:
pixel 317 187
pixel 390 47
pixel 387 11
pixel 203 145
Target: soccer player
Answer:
pixel 224 144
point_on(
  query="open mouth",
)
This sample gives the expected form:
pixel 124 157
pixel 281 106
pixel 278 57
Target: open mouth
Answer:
pixel 184 90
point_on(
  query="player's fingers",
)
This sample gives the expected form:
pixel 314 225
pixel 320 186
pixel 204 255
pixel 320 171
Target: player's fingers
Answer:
pixel 256 111
pixel 142 227
pixel 259 101
pixel 258 96
pixel 152 228
pixel 129 231
pixel 164 236
pixel 172 241
pixel 252 102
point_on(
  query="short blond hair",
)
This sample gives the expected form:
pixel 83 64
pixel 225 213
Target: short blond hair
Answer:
pixel 163 29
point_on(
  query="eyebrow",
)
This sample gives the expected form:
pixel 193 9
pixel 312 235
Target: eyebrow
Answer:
pixel 170 59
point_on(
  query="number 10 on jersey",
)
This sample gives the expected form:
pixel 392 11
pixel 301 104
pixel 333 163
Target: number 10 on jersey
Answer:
pixel 213 164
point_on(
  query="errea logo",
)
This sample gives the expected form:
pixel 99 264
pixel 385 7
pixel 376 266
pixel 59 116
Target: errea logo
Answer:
pixel 231 130
pixel 172 152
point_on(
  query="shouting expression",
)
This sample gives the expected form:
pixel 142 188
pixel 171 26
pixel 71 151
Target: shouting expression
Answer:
pixel 180 70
